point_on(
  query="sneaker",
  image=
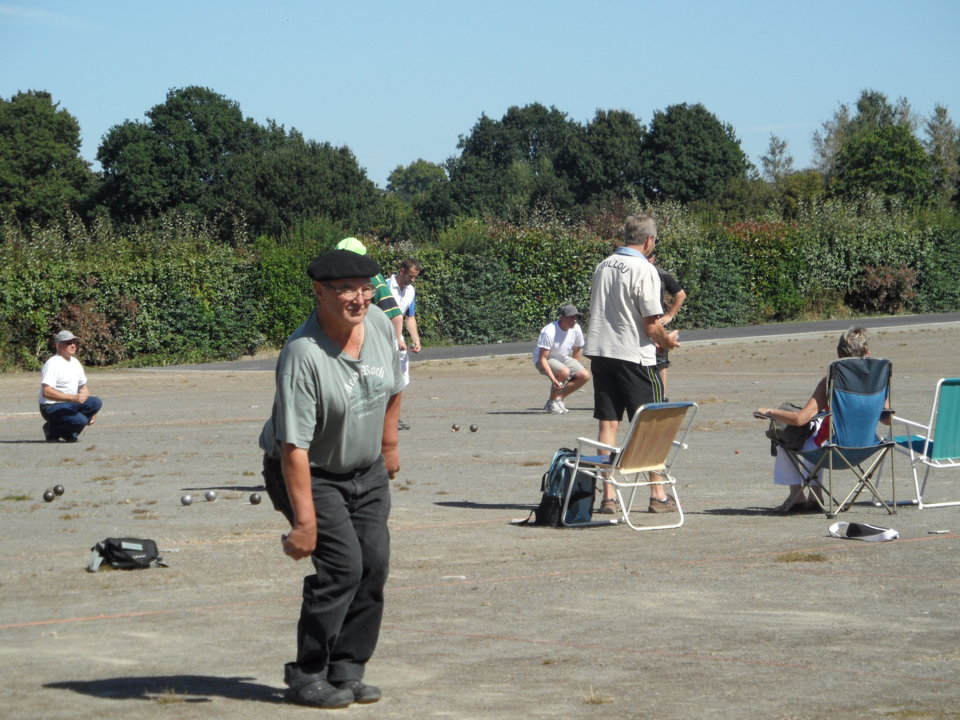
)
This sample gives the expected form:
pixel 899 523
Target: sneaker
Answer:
pixel 47 435
pixel 401 425
pixel 362 693
pixel 553 407
pixel 667 505
pixel 608 507
pixel 563 407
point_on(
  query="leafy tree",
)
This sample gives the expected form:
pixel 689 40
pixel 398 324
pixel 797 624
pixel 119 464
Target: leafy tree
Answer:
pixel 294 179
pixel 416 202
pixel 798 188
pixel 416 180
pixel 874 111
pixel 41 172
pixel 942 143
pixel 888 160
pixel 508 166
pixel 177 157
pixel 605 158
pixel 777 163
pixel 690 155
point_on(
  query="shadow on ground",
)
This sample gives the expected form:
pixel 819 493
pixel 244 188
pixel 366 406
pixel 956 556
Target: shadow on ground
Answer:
pixel 173 688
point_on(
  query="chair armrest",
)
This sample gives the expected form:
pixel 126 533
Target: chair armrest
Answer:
pixel 911 424
pixel 597 444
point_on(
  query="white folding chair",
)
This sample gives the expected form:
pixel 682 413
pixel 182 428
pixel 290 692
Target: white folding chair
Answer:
pixel 646 457
pixel 936 445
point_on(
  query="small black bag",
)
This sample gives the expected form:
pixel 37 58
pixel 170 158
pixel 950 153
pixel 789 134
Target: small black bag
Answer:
pixel 125 554
pixel 792 437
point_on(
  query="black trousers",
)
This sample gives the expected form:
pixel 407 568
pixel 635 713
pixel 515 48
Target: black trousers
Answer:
pixel 343 602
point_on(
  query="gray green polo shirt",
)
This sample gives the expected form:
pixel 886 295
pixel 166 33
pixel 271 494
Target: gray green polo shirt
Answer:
pixel 330 404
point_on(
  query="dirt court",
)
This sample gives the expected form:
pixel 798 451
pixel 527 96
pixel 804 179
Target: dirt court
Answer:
pixel 738 614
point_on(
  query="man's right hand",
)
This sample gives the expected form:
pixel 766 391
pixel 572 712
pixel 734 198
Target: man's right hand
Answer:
pixel 300 542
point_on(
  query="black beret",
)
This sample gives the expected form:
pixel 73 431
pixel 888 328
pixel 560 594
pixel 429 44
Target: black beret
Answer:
pixel 338 264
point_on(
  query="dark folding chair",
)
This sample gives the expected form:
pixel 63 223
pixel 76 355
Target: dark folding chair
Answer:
pixel 857 392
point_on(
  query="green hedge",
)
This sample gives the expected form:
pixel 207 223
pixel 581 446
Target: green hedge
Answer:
pixel 150 298
pixel 171 291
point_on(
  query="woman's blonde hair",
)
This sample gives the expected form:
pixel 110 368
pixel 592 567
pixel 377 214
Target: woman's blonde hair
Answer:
pixel 853 343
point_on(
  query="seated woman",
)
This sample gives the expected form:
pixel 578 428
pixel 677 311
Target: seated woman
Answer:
pixel 853 344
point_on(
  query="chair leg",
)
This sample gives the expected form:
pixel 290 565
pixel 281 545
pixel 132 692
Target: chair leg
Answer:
pixel 634 489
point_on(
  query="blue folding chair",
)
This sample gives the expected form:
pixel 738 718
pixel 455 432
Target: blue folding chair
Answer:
pixel 858 390
pixel 937 445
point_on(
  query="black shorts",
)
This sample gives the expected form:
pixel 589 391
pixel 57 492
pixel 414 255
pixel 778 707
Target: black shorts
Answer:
pixel 620 385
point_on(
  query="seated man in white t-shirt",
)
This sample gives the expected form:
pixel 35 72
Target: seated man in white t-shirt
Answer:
pixel 65 400
pixel 557 356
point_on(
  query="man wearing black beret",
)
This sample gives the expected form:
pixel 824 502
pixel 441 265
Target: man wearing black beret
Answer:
pixel 330 448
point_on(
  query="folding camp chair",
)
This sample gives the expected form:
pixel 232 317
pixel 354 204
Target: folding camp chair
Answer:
pixel 938 444
pixel 857 390
pixel 656 435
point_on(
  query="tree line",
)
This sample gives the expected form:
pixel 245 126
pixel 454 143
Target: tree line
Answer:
pixel 196 153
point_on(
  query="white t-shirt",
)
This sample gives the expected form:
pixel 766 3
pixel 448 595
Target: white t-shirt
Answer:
pixel 405 298
pixel 560 342
pixel 626 289
pixel 67 376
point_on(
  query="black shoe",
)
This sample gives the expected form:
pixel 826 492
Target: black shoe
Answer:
pixel 362 693
pixel 47 435
pixel 313 690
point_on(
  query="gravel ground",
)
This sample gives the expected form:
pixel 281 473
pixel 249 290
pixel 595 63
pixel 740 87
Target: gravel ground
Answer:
pixel 738 614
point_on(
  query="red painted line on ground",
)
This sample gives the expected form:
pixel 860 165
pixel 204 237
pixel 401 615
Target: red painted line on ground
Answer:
pixel 521 578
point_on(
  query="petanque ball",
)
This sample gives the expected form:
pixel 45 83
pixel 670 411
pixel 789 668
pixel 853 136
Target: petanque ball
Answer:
pixel 58 489
pixel 255 499
pixel 48 496
pixel 186 499
pixel 456 428
pixel 210 495
pixel 473 428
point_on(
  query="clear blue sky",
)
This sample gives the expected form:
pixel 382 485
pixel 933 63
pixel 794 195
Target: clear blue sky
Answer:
pixel 397 81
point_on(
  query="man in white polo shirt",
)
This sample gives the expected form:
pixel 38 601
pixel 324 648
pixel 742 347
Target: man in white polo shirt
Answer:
pixel 624 334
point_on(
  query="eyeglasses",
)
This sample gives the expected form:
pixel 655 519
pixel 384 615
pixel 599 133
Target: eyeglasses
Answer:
pixel 347 293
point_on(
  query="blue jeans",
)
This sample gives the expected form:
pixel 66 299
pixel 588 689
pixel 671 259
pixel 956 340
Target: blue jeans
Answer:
pixel 67 420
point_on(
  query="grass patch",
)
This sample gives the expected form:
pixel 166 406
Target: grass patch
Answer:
pixel 593 697
pixel 15 498
pixel 796 556
pixel 169 696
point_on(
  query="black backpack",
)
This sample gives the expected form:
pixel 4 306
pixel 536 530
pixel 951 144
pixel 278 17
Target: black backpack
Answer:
pixel 553 487
pixel 125 554
pixel 792 437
